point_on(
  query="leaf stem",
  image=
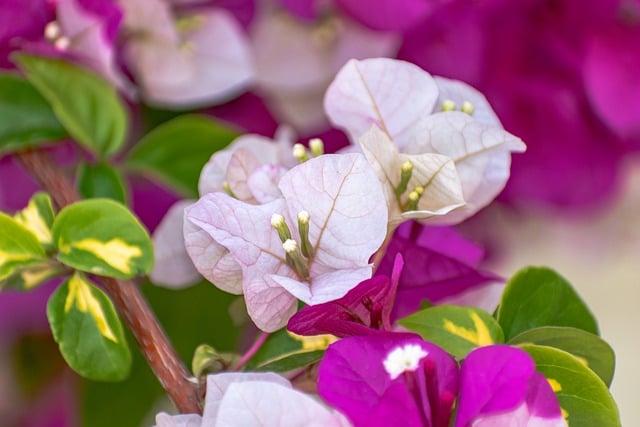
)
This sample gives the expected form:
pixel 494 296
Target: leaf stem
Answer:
pixel 129 301
pixel 252 350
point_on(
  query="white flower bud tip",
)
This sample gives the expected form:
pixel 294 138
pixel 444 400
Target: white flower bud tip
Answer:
pixel 277 220
pixel 52 31
pixel 290 246
pixel 62 43
pixel 316 146
pixel 304 217
pixel 403 359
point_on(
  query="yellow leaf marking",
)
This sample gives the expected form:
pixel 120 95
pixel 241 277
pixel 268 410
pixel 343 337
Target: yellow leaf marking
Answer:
pixel 31 219
pixel 480 336
pixel 555 385
pixel 315 342
pixel 80 295
pixel 7 257
pixel 117 253
pixel 30 278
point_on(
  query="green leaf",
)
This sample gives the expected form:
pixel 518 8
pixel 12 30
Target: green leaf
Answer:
pixel 584 398
pixel 28 278
pixel 537 297
pixel 203 318
pixel 291 361
pixel 37 217
pixel 175 152
pixel 101 180
pixel 103 237
pixel 26 119
pixel 284 351
pixel 590 349
pixel 456 329
pixel 19 247
pixel 88 331
pixel 86 104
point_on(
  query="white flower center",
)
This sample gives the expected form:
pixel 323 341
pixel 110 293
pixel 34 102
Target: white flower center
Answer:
pixel 403 359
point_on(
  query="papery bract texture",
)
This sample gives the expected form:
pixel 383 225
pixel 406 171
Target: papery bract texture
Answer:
pixel 482 155
pixel 247 399
pixel 500 387
pixel 394 95
pixel 353 379
pixel 435 174
pixel 346 227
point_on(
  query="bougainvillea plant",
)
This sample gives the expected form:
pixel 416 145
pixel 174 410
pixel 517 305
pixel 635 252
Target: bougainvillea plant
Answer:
pixel 356 302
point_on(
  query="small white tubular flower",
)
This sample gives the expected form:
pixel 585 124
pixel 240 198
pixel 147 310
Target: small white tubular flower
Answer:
pixel 403 359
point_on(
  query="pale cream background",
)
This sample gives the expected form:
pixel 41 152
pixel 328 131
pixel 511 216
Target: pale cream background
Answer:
pixel 600 256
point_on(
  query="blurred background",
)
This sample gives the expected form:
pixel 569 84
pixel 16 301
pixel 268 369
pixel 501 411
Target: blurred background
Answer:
pixel 561 74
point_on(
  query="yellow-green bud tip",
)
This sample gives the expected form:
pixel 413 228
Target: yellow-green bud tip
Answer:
pixel 448 105
pixel 407 166
pixel 467 107
pixel 419 190
pixel 414 196
pixel 299 152
pixel 316 146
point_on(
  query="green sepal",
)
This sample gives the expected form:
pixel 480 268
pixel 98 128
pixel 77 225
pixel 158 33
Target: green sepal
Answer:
pixel 101 180
pixel 88 331
pixel 207 360
pixel 536 297
pixel 101 236
pixel 87 105
pixel 38 218
pixel 26 119
pixel 590 349
pixel 456 329
pixel 19 247
pixel 175 152
pixel 585 400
